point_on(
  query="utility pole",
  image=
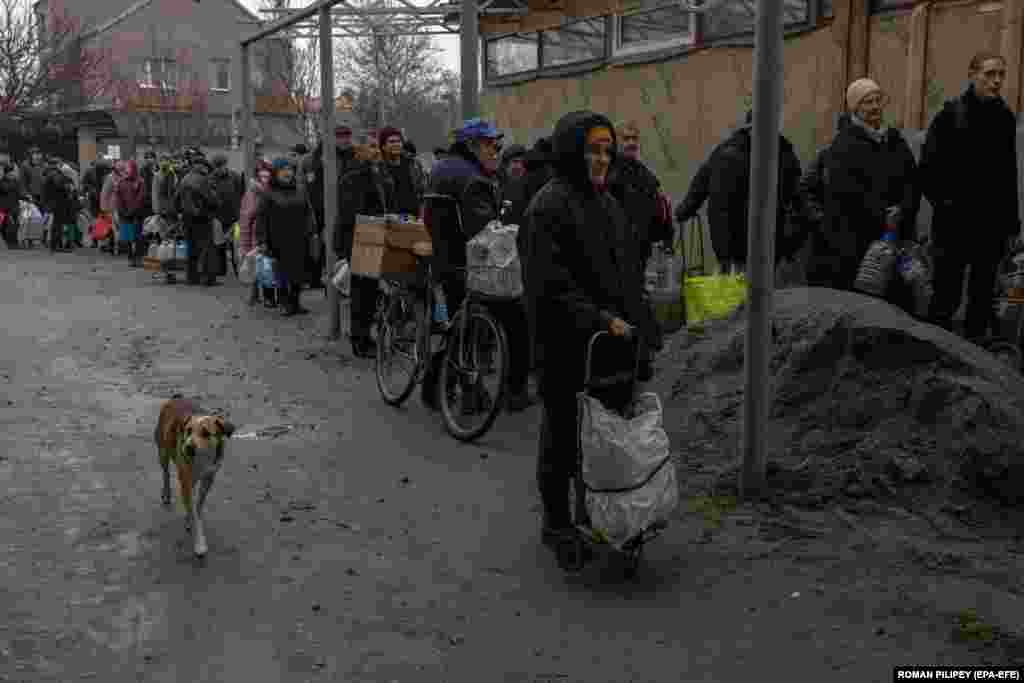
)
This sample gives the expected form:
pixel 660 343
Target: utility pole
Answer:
pixel 330 162
pixel 469 52
pixel 764 182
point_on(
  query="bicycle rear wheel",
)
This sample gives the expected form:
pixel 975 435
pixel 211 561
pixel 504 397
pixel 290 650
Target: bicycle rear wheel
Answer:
pixel 398 346
pixel 472 377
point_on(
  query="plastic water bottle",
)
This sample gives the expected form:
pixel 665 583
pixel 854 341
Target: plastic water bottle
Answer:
pixel 878 266
pixel 440 306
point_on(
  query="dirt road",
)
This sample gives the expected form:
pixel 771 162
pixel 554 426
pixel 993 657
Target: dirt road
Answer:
pixel 353 542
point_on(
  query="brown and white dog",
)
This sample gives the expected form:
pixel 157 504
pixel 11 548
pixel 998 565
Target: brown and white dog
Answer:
pixel 195 443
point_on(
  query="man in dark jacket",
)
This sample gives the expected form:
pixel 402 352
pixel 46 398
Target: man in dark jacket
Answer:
pixel 198 206
pixel 367 189
pixel 10 196
pixel 969 157
pixel 32 171
pixel 724 181
pixel 228 187
pixel 405 172
pixel 870 184
pixel 346 162
pixel 513 164
pixel 469 175
pixel 583 279
pixel 60 200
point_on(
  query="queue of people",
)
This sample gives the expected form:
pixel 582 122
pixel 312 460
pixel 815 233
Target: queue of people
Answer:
pixel 590 212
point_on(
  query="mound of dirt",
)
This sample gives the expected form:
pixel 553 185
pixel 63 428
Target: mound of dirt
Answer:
pixel 866 400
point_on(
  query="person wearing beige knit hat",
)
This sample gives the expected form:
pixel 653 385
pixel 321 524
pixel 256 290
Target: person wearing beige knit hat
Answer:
pixel 866 101
pixel 869 190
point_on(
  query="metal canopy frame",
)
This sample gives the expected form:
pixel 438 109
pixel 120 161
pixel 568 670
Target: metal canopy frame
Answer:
pixel 343 19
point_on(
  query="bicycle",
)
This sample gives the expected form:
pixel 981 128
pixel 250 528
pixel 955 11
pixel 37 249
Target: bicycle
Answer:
pixel 473 346
pixel 476 350
pixel 405 327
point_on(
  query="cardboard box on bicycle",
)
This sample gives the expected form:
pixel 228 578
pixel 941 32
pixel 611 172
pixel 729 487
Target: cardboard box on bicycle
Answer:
pixel 382 246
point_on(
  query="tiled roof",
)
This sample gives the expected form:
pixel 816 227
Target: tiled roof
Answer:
pixel 141 4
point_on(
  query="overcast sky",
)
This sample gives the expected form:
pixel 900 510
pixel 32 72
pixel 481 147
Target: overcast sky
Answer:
pixel 449 44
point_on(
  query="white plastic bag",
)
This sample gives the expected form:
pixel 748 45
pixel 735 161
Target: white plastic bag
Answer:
pixel 219 235
pixel 342 278
pixel 247 269
pixel 627 463
pixel 166 252
pixel 492 262
pixel 152 226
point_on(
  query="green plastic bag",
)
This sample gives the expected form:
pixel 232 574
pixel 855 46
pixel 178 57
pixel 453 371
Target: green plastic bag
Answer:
pixel 711 297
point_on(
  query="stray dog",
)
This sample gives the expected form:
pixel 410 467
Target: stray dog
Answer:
pixel 195 443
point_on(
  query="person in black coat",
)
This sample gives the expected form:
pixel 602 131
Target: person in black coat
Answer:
pixel 969 160
pixel 10 196
pixel 469 174
pixel 282 217
pixel 365 189
pixel 870 184
pixel 60 200
pixel 724 182
pixel 583 279
pixel 811 189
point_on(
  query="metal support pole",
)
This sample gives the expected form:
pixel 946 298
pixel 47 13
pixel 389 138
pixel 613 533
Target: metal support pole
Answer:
pixel 330 161
pixel 764 181
pixel 469 51
pixel 245 127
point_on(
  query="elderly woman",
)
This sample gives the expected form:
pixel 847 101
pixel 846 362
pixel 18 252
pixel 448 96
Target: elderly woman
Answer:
pixel 282 220
pixel 870 189
pixel 247 217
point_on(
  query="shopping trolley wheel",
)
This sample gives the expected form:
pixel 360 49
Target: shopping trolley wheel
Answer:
pixel 632 562
pixel 572 554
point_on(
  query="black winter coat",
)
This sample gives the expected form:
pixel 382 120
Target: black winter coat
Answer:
pixel 366 189
pixel 636 189
pixel 461 176
pixel 729 196
pixel 582 271
pixel 195 197
pixel 229 189
pixel 975 167
pixel 282 224
pixel 863 178
pixel 60 198
pixel 315 190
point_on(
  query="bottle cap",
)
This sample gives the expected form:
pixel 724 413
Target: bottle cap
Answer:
pixel 889 236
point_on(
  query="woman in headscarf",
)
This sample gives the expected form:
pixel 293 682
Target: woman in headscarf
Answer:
pixel 108 201
pixel 130 204
pixel 247 217
pixel 282 218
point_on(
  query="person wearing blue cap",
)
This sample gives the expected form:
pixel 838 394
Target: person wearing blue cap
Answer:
pixel 470 174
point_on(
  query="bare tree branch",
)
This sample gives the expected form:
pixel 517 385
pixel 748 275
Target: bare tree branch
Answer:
pixel 44 60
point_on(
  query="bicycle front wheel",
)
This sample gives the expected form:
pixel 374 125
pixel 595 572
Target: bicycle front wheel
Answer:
pixel 398 346
pixel 472 377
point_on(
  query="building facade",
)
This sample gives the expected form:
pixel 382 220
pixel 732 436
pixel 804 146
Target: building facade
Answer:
pixel 172 81
pixel 687 78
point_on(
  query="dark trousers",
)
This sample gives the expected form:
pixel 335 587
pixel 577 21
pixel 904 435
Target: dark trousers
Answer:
pixel 198 236
pixel 558 449
pixel 56 235
pixel 362 305
pixel 950 264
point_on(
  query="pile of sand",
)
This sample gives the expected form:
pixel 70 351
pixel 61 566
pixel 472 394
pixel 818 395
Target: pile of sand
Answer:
pixel 866 400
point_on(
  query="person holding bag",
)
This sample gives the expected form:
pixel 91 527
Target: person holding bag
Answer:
pixel 247 220
pixel 582 278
